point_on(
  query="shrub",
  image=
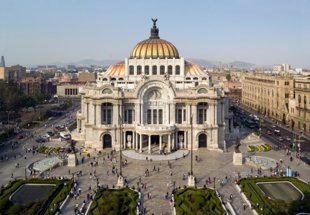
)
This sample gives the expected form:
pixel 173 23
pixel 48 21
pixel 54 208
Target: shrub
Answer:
pixel 4 204
pixel 15 209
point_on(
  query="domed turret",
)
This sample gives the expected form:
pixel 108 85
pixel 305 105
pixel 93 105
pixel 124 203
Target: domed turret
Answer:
pixel 154 47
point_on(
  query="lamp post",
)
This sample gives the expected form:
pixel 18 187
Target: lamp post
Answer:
pixel 191 178
pixel 214 183
pixel 120 180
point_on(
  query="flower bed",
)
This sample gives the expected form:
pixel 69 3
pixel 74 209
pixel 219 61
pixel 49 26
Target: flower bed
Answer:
pixel 114 201
pixel 197 201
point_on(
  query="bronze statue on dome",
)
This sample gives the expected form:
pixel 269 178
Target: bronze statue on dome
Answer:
pixel 154 22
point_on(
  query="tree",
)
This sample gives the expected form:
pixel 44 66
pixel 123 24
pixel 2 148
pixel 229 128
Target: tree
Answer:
pixel 228 78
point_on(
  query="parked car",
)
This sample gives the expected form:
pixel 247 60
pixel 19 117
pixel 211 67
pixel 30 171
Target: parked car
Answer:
pixel 280 139
pixel 20 137
pixel 269 132
pixel 50 133
pixel 40 140
pixel 71 141
pixel 277 132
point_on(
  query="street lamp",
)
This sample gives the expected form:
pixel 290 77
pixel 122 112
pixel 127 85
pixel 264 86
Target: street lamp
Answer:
pixel 120 181
pixel 191 178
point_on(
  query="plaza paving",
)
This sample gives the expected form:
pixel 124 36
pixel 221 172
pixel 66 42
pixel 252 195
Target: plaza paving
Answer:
pixel 211 164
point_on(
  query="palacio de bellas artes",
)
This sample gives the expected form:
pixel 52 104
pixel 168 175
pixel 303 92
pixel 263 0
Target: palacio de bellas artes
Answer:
pixel 154 102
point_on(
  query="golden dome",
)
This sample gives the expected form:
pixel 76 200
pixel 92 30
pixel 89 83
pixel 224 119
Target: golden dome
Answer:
pixel 154 47
pixel 116 69
pixel 193 69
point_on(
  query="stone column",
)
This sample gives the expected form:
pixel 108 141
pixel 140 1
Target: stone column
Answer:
pixel 115 114
pixel 185 140
pixel 160 142
pixel 149 143
pixel 215 113
pixel 169 143
pixel 140 142
pixel 95 114
pixel 137 141
pixel 194 111
pixel 133 145
pixel 172 113
pixel 98 115
pixel 138 114
pixel 176 140
pixel 124 140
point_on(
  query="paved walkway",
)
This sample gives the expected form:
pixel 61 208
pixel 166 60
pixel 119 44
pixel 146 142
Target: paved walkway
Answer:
pixel 212 164
pixel 173 156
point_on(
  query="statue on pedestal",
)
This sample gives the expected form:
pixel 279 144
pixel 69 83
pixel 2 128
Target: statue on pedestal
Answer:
pixel 129 141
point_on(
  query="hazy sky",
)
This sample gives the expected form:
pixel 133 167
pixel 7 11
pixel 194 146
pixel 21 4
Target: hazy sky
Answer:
pixel 257 31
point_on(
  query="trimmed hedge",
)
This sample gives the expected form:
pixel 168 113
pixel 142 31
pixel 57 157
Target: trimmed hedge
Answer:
pixel 269 206
pixel 114 201
pixel 197 201
pixel 56 196
pixel 252 148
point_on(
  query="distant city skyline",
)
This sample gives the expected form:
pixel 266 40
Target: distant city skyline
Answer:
pixel 259 32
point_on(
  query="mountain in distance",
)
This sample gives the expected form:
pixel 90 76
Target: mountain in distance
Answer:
pixel 234 64
pixel 241 64
pixel 198 61
pixel 87 62
pixel 202 62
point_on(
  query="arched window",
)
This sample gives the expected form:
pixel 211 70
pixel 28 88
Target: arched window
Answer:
pixel 113 79
pixel 162 70
pixel 139 70
pixel 204 78
pixel 154 70
pixel 195 79
pixel 146 70
pixel 305 100
pixel 169 70
pixel 131 70
pixel 120 79
pixel 177 70
pixel 202 90
pixel 188 78
pixel 104 79
pixel 107 91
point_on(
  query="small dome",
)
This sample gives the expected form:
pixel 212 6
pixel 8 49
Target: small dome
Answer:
pixel 116 69
pixel 154 47
pixel 193 69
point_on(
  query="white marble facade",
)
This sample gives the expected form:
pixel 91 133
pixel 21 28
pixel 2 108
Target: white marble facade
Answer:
pixel 165 101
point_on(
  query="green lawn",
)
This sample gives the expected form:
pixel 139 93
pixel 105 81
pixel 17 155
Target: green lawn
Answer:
pixel 197 202
pixel 269 206
pixel 114 202
pixel 47 205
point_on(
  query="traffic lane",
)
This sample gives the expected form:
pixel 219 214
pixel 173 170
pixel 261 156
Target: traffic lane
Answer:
pixel 305 144
pixel 288 143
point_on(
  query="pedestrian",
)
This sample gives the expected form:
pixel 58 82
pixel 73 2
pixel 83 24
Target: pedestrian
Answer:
pixel 244 206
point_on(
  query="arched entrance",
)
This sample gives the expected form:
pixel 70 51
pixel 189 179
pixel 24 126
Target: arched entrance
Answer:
pixel 107 141
pixel 202 141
